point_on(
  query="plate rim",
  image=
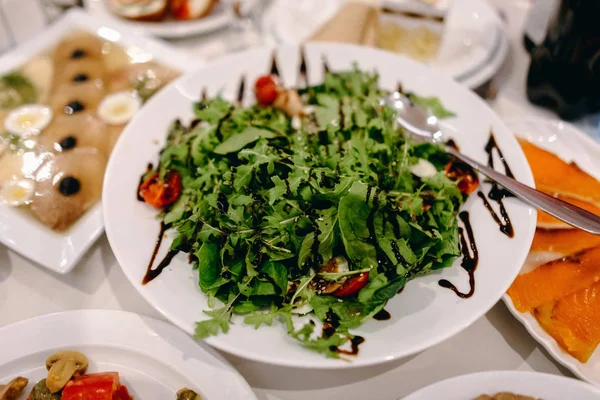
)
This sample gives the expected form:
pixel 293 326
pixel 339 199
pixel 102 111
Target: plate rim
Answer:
pixel 526 319
pixel 141 324
pixel 487 375
pixel 214 341
pixel 73 245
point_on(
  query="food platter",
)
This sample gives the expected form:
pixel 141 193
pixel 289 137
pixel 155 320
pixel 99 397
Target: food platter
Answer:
pixel 532 384
pixel 153 358
pixel 410 328
pixel 219 17
pixel 59 251
pixel 570 144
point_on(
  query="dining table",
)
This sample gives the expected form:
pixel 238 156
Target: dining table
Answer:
pixel 497 341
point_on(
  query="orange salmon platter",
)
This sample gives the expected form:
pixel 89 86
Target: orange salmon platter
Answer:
pixel 557 294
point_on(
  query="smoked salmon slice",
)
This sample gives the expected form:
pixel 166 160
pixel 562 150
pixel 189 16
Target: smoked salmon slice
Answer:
pixel 563 241
pixel 555 279
pixel 547 221
pixel 553 175
pixel 573 321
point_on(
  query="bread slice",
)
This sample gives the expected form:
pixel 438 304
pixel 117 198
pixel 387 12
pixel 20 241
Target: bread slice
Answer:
pixel 191 9
pixel 140 10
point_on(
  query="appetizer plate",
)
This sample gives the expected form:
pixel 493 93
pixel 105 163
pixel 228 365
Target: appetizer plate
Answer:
pixel 169 28
pixel 60 252
pixel 533 384
pixel 424 314
pixel 569 143
pixel 153 358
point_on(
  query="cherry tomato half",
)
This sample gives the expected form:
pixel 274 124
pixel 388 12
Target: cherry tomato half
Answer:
pixel 266 89
pixel 352 285
pixel 466 177
pixel 159 193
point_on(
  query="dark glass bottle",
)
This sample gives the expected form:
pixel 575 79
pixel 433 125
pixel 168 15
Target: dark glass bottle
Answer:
pixel 564 73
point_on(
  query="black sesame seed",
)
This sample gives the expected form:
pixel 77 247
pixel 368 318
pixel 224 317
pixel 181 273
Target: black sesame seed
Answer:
pixel 68 143
pixel 73 107
pixel 69 186
pixel 78 54
pixel 80 78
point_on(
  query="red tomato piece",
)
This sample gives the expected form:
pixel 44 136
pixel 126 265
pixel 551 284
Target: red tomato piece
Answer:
pixel 466 177
pixel 352 285
pixel 122 393
pixel 180 9
pixel 159 193
pixel 266 89
pixel 101 386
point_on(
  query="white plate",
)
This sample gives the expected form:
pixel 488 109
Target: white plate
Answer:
pixel 21 231
pixel 533 384
pixel 169 28
pixel 154 359
pixel 425 314
pixel 570 144
pixel 474 44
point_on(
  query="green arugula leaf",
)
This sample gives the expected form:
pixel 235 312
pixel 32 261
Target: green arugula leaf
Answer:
pixel 219 321
pixel 431 104
pixel 239 141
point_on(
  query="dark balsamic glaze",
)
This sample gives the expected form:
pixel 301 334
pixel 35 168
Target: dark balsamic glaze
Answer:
pixel 452 143
pixel 382 315
pixel 303 68
pixel 241 90
pixel 153 273
pixel 354 343
pixel 382 258
pixel 325 64
pixel 274 68
pixel 218 133
pixel 203 95
pixel 469 261
pixel 331 323
pixel 149 168
pixel 497 193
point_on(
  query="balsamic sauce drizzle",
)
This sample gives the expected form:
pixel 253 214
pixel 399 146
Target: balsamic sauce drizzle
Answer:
pixel 497 193
pixel 274 68
pixel 470 257
pixel 303 77
pixel 151 274
pixel 325 64
pixel 330 325
pixel 241 90
pixel 204 95
pixel 382 315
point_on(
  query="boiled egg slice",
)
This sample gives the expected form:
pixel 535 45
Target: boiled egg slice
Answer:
pixel 30 119
pixel 118 108
pixel 17 192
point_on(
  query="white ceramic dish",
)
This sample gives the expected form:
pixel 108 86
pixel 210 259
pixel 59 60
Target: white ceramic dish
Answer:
pixel 474 44
pixel 154 359
pixel 169 28
pixel 570 144
pixel 533 384
pixel 21 232
pixel 423 315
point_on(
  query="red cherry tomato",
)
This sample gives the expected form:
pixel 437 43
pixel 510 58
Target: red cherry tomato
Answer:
pixel 466 177
pixel 180 9
pixel 352 285
pixel 99 386
pixel 266 89
pixel 159 193
pixel 122 394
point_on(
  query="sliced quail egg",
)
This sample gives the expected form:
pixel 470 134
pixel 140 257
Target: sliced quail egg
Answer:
pixel 30 119
pixel 423 168
pixel 17 192
pixel 118 108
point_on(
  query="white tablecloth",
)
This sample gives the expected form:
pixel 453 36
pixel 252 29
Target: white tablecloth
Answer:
pixel 495 342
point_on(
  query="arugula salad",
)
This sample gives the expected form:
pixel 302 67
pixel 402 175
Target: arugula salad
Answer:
pixel 310 202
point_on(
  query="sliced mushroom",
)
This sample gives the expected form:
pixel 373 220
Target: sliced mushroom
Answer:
pixel 289 102
pixel 13 389
pixel 68 132
pixel 68 186
pixel 41 392
pixel 63 366
pixel 187 394
pixel 74 98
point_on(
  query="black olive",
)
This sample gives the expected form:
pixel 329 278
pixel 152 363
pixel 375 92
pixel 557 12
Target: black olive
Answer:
pixel 68 143
pixel 80 78
pixel 78 54
pixel 69 186
pixel 73 107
